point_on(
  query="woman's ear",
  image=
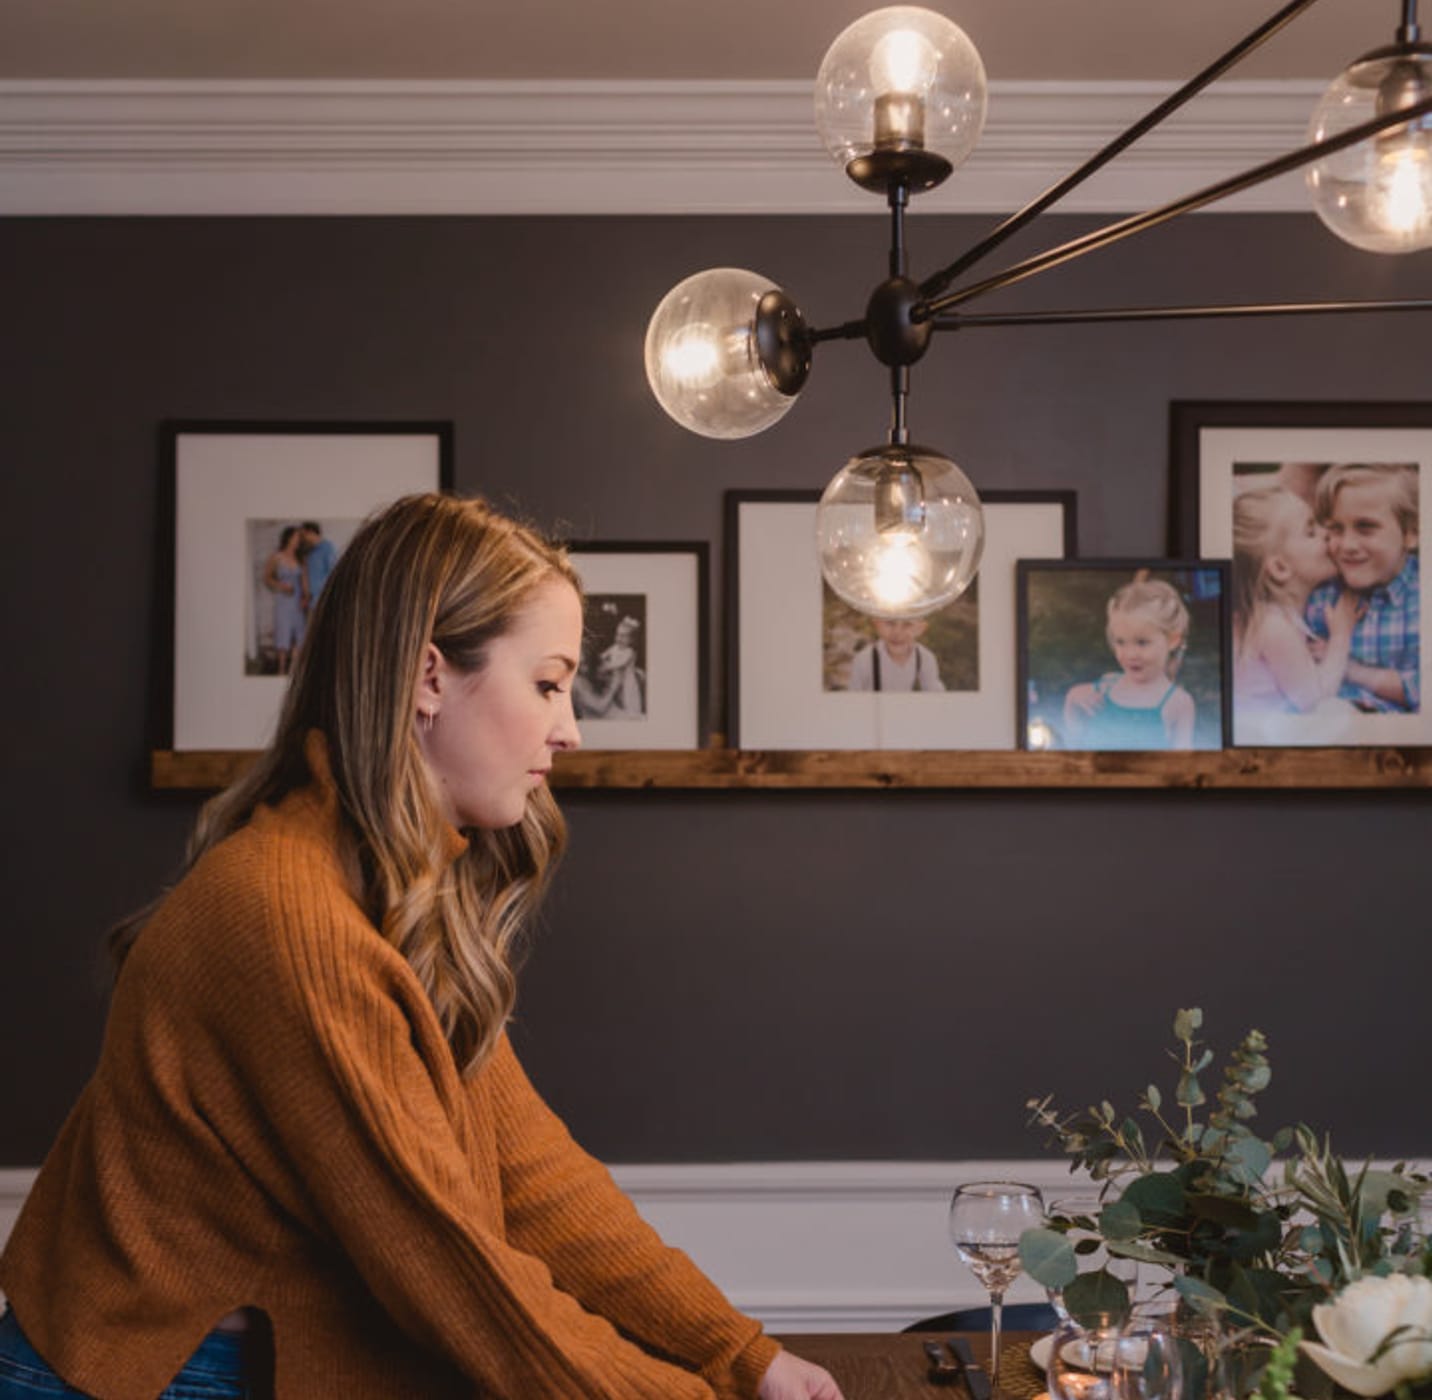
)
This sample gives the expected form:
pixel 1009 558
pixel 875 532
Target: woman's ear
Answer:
pixel 432 682
pixel 1277 568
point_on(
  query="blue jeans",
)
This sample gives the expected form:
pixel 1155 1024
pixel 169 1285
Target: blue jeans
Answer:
pixel 217 1371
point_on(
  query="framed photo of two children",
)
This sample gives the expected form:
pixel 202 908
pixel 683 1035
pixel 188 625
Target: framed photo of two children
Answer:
pixel 1317 505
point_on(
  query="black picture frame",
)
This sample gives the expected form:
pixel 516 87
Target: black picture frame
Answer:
pixel 1218 450
pixel 1189 418
pixel 323 469
pixel 673 579
pixel 1062 635
pixel 787 705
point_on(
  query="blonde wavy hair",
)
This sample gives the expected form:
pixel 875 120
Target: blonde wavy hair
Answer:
pixel 1260 522
pixel 1160 603
pixel 455 573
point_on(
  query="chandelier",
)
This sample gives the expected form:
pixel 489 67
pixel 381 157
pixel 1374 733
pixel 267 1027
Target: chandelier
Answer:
pixel 900 103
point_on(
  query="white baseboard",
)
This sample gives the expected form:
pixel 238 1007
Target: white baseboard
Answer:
pixel 827 1246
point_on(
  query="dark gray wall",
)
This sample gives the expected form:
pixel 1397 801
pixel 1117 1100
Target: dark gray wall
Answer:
pixel 740 975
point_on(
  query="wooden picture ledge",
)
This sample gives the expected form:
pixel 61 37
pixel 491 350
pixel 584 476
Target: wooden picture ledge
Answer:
pixel 1353 768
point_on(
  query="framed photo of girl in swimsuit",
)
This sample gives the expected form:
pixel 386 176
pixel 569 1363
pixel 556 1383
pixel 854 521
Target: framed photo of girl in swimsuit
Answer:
pixel 642 681
pixel 260 513
pixel 805 672
pixel 1123 654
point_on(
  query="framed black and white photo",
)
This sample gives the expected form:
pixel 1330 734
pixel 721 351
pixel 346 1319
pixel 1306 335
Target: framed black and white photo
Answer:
pixel 642 682
pixel 1317 506
pixel 261 513
pixel 806 672
pixel 1123 654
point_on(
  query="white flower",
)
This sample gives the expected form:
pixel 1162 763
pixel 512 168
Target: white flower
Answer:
pixel 1361 1318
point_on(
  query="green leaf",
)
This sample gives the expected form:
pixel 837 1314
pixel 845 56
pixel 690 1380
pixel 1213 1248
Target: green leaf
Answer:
pixel 1202 1297
pixel 1120 1220
pixel 1143 1253
pixel 1251 1156
pixel 1096 1293
pixel 1155 1099
pixel 1186 1023
pixel 1158 1197
pixel 1048 1257
pixel 1188 1094
pixel 1379 1190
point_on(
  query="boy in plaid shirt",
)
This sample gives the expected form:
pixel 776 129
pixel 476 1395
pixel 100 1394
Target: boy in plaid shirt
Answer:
pixel 1370 514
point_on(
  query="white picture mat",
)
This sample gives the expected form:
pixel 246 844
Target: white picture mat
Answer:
pixel 671 585
pixel 224 479
pixel 783 703
pixel 1220 449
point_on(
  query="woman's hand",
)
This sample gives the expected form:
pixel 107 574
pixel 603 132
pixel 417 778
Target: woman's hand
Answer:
pixel 790 1378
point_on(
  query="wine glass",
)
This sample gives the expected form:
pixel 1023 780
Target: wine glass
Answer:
pixel 1147 1361
pixel 986 1220
pixel 1081 1358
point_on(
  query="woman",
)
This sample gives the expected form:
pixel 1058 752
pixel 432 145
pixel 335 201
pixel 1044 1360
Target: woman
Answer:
pixel 284 577
pixel 307 1130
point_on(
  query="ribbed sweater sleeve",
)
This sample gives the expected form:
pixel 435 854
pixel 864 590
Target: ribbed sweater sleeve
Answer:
pixel 362 1097
pixel 563 1205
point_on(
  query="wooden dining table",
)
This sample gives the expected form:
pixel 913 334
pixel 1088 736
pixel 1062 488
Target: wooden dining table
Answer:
pixel 893 1365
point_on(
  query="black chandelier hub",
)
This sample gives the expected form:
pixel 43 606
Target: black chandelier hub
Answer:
pixel 882 170
pixel 783 342
pixel 890 326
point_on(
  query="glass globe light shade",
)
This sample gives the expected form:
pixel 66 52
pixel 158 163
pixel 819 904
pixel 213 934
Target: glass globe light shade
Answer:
pixel 899 531
pixel 902 93
pixel 703 353
pixel 1377 194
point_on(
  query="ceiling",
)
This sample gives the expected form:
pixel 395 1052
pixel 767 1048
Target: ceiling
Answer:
pixel 1092 40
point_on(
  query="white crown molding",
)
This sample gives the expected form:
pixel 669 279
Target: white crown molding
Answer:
pixel 110 147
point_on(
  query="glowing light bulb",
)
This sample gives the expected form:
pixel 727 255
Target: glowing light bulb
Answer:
pixel 703 359
pixel 692 358
pixel 899 570
pixel 899 530
pixel 1400 194
pixel 900 96
pixel 1377 194
pixel 903 61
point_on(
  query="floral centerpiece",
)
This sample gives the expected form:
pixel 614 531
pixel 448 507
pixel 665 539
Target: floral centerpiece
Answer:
pixel 1270 1236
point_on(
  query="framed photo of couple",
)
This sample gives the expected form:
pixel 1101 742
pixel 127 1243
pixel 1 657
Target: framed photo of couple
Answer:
pixel 261 512
pixel 1317 506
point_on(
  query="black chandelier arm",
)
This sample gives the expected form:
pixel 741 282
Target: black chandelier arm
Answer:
pixel 847 330
pixel 957 321
pixel 936 283
pixel 1113 233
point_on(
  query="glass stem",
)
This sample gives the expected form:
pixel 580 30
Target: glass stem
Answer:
pixel 996 1318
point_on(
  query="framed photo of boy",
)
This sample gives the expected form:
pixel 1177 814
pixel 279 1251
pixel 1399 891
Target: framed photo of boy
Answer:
pixel 1123 654
pixel 642 681
pixel 261 512
pixel 807 672
pixel 1318 508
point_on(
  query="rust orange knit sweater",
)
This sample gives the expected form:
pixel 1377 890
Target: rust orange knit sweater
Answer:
pixel 276 1121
